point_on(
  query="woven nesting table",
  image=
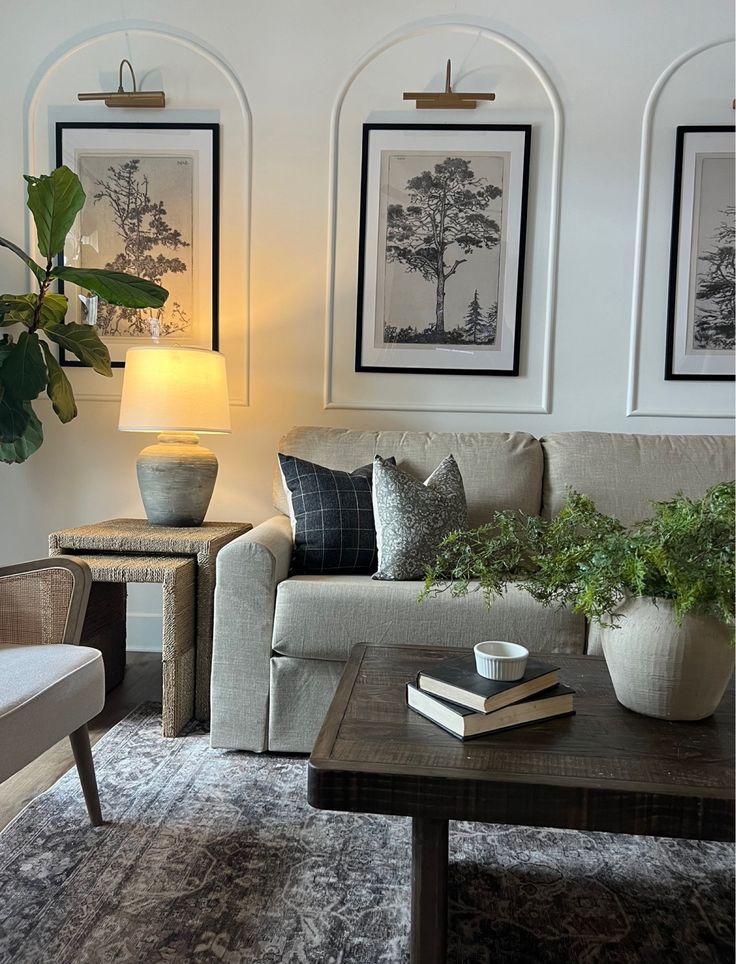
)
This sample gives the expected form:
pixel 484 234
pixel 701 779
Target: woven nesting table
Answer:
pixel 183 561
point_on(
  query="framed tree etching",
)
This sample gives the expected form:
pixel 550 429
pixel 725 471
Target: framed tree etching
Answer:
pixel 441 260
pixel 151 209
pixel 700 317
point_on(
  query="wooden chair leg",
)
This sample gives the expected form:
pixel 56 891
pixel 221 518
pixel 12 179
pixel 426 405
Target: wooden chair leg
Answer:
pixel 79 740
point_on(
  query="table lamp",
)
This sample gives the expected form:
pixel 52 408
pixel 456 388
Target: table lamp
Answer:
pixel 179 393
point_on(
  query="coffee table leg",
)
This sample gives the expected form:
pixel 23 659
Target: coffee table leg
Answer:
pixel 429 891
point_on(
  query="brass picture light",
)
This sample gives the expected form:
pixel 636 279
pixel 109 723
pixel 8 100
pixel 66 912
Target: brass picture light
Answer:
pixel 127 98
pixel 446 99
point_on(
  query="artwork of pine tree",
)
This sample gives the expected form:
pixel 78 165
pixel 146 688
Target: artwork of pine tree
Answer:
pixel 436 235
pixel 715 324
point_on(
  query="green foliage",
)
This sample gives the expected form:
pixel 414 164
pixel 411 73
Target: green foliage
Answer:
pixel 22 309
pixel 54 200
pixel 17 309
pixel 25 442
pixel 27 365
pixel 115 287
pixel 24 371
pixel 591 562
pixel 84 342
pixel 13 418
pixel 58 389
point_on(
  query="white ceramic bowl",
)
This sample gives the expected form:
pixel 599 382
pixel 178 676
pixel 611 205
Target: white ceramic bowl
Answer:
pixel 498 660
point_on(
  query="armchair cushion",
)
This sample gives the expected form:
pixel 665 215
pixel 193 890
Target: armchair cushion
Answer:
pixel 46 692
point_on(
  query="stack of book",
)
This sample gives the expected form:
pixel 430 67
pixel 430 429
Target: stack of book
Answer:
pixel 466 704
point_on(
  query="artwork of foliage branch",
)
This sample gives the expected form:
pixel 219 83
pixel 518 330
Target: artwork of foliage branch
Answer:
pixel 27 365
pixel 144 234
pixel 591 562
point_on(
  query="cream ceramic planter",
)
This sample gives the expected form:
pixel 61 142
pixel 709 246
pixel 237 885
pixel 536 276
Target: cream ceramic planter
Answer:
pixel 664 670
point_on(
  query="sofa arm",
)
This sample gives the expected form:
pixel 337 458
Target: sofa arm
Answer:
pixel 248 571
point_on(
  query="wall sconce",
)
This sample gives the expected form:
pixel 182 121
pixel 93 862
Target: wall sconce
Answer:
pixel 446 99
pixel 127 98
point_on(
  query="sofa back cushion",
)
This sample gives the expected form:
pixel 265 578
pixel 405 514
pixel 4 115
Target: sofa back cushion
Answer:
pixel 623 473
pixel 500 470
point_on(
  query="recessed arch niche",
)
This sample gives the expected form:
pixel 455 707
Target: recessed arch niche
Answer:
pixel 695 89
pixel 199 87
pixel 412 59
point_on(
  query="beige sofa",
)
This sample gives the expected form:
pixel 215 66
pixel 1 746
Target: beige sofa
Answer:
pixel 280 642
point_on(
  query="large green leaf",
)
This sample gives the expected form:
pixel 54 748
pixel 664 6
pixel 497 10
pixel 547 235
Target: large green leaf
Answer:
pixel 27 441
pixel 14 417
pixel 55 199
pixel 53 308
pixel 84 342
pixel 17 309
pixel 115 287
pixel 35 268
pixel 6 346
pixel 58 389
pixel 24 372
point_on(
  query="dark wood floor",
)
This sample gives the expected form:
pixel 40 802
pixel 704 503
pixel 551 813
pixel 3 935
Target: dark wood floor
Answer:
pixel 142 683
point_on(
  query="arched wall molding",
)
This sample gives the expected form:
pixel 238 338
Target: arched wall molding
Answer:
pixel 74 46
pixel 640 238
pixel 410 32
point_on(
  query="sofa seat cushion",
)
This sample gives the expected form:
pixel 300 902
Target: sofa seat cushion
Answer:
pixel 323 617
pixel 46 692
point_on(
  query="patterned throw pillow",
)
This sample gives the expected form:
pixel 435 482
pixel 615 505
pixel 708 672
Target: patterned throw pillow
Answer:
pixel 331 518
pixel 412 517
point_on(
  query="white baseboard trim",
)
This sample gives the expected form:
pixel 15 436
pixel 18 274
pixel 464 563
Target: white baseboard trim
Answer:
pixel 144 632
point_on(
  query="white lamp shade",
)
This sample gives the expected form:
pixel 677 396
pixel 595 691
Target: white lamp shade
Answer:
pixel 174 390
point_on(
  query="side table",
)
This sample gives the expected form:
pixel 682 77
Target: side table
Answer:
pixel 183 560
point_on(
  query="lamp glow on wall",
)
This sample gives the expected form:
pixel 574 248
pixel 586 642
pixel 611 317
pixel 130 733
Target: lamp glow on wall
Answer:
pixel 179 393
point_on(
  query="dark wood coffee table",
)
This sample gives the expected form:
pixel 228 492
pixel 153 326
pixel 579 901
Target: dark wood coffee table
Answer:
pixel 604 769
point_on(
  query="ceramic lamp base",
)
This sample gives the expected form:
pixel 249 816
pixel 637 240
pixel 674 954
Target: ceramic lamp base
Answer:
pixel 176 477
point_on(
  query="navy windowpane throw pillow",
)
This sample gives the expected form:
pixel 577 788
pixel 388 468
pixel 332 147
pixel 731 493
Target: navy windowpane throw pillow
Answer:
pixel 331 518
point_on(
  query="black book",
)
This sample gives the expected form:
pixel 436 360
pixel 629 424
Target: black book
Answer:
pixel 465 724
pixel 457 680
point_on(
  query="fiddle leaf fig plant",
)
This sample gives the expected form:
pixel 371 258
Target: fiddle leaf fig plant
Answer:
pixel 27 364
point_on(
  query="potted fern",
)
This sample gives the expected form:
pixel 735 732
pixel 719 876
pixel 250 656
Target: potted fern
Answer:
pixel 27 364
pixel 661 591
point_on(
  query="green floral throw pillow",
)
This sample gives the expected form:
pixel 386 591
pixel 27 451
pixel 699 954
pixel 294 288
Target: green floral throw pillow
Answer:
pixel 413 517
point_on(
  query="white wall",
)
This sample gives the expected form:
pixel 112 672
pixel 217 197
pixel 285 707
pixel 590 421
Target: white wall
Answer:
pixel 277 76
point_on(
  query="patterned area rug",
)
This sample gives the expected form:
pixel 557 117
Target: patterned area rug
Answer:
pixel 217 857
